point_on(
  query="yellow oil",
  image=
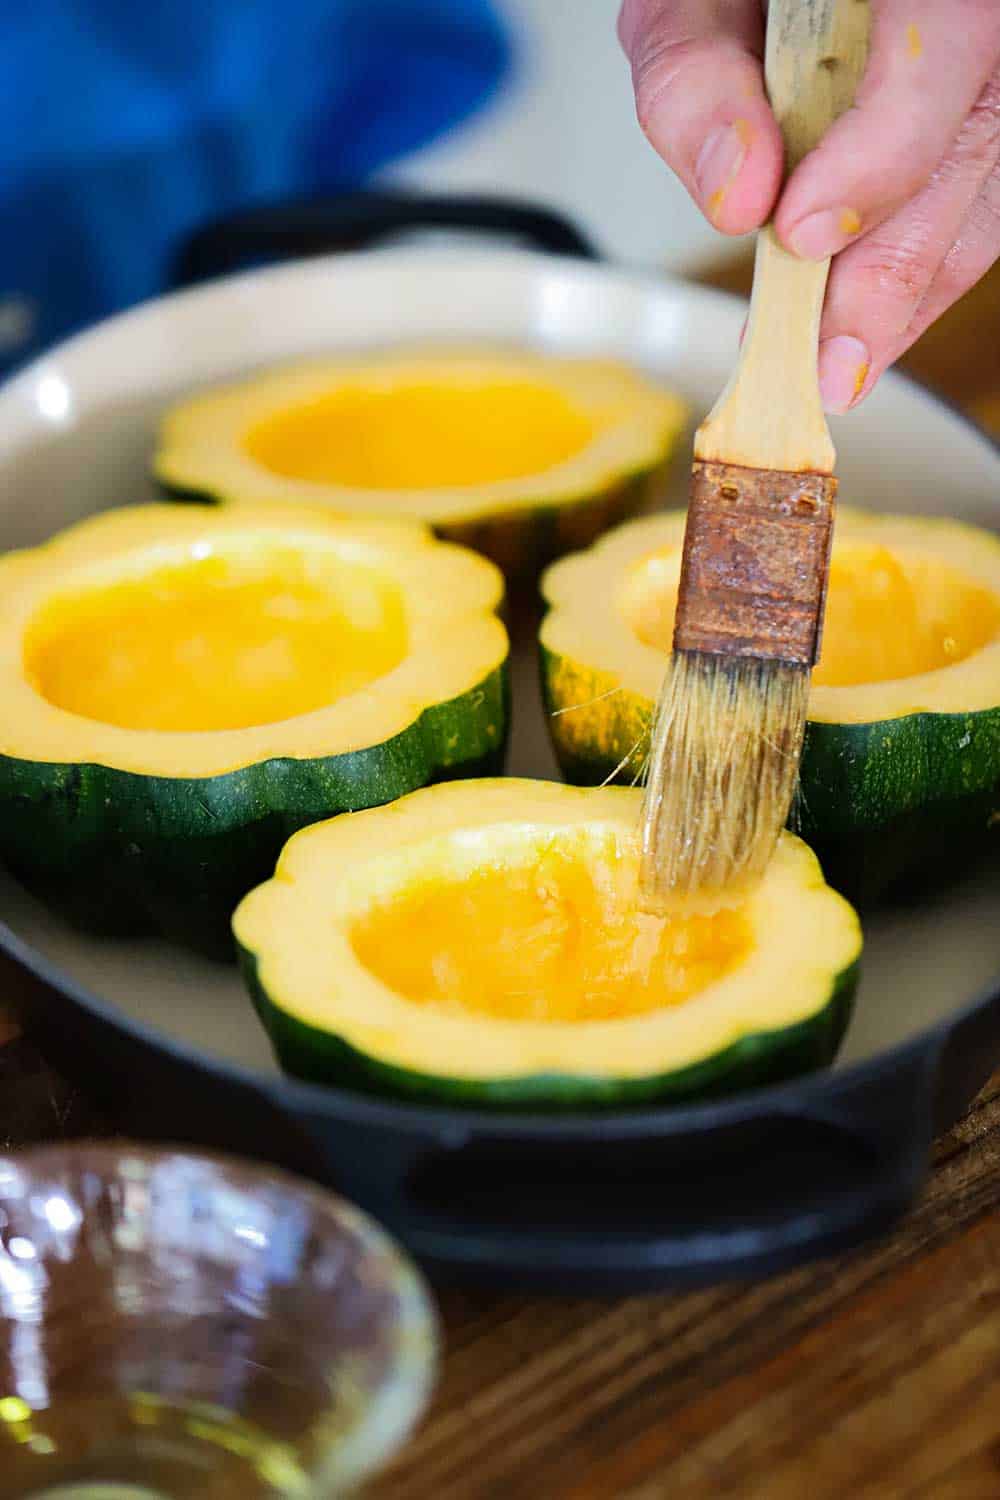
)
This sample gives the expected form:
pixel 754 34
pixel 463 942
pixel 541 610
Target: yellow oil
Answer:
pixel 215 644
pixel 141 1447
pixel 887 616
pixel 557 938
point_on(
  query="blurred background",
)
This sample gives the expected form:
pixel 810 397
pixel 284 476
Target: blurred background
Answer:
pixel 561 128
pixel 125 128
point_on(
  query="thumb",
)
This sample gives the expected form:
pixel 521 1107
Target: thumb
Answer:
pixel 699 91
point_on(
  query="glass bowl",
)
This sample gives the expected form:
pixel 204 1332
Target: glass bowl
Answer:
pixel 176 1325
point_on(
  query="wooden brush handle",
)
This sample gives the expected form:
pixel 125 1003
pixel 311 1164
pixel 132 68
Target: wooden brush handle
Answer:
pixel 770 415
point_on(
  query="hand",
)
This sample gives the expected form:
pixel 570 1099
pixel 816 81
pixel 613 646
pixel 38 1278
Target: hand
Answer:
pixel 904 189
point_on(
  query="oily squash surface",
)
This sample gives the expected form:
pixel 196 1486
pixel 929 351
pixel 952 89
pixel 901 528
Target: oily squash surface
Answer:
pixel 481 943
pixel 901 769
pixel 184 688
pixel 521 455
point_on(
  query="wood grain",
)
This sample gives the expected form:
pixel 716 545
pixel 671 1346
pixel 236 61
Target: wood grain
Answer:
pixel 870 1375
pixel 875 1374
pixel 959 356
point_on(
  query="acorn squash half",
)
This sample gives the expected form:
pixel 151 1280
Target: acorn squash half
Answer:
pixel 900 780
pixel 479 942
pixel 521 455
pixel 183 688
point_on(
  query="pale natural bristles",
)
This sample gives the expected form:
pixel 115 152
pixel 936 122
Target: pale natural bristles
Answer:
pixel 723 768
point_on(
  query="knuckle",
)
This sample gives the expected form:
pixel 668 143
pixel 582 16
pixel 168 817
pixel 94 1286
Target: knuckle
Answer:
pixel 978 140
pixel 953 279
pixel 986 110
pixel 630 17
pixel 894 274
pixel 661 66
pixel 640 19
pixel 984 216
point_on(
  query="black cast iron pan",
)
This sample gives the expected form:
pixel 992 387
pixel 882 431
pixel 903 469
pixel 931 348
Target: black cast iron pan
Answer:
pixel 168 1044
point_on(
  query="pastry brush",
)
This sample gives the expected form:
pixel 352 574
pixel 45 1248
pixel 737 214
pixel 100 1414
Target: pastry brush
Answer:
pixel 728 729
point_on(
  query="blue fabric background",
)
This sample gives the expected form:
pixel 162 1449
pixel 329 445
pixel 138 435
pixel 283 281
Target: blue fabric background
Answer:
pixel 124 125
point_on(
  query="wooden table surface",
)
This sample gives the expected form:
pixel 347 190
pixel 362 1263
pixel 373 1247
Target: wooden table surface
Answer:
pixel 874 1375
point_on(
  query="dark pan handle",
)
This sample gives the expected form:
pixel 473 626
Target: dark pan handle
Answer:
pixel 350 221
pixel 783 1189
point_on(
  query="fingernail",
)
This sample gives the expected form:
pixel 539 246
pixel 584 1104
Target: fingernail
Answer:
pixel 719 163
pixel 825 233
pixel 844 363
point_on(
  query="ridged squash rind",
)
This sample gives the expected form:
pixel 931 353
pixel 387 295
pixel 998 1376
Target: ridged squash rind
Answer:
pixel 341 1054
pixel 892 805
pixel 521 524
pixel 138 846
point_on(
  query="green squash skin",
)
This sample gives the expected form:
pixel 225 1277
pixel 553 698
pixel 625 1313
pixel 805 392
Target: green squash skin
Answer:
pixel 897 808
pixel 119 853
pixel 624 721
pixel 757 1059
pixel 524 541
pixel 891 809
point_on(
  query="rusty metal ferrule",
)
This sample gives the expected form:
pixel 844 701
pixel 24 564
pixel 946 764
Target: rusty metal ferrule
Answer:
pixel 756 562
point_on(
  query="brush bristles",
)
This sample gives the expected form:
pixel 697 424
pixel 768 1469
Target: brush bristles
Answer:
pixel 724 758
